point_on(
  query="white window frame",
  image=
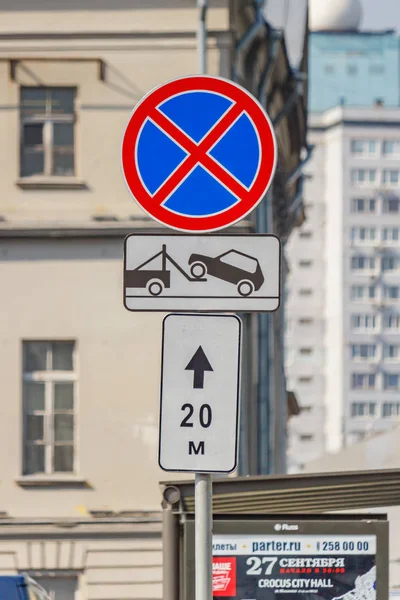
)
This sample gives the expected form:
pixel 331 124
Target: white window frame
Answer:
pixel 370 356
pixel 368 179
pixel 357 235
pixel 368 414
pixel 388 237
pixel 386 319
pixel 365 260
pixel 365 147
pixel 387 177
pixel 384 146
pixel 364 322
pixel 385 205
pixel 49 378
pixel 365 381
pixel 386 353
pixel 395 413
pixel 48 120
pixel 367 203
pixel 390 298
pixel 366 297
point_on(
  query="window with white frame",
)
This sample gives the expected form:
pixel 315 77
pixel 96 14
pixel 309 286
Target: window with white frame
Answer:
pixel 363 147
pixel 363 381
pixel 391 351
pixel 363 176
pixel 363 205
pixel 49 399
pixel 362 292
pixel 363 351
pixel 391 147
pixel 391 205
pixel 391 176
pixel 364 322
pixel 47 131
pixel 391 322
pixel 391 292
pixel 390 263
pixel 363 234
pixel 363 409
pixel 362 263
pixel 391 381
pixel 391 409
pixel 390 234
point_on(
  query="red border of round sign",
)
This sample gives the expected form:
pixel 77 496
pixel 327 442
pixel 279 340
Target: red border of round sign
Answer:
pixel 267 142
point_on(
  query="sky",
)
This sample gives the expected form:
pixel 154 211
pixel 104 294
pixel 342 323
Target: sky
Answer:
pixel 381 14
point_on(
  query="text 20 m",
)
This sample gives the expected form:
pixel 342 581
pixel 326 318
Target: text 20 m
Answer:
pixel 205 415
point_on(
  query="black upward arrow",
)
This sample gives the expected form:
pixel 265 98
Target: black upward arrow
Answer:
pixel 199 364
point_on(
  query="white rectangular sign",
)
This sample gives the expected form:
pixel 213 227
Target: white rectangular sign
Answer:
pixel 200 381
pixel 227 273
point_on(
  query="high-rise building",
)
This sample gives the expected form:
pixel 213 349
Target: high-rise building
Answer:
pixel 343 308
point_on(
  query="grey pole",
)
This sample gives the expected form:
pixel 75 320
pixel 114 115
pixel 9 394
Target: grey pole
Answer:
pixel 202 37
pixel 203 482
pixel 170 554
pixel 203 536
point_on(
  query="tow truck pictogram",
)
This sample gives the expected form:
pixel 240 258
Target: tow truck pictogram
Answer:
pixel 156 280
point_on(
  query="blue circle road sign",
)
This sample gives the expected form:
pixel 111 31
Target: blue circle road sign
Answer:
pixel 199 153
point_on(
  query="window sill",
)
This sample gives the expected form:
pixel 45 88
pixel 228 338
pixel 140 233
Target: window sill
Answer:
pixel 51 183
pixel 71 481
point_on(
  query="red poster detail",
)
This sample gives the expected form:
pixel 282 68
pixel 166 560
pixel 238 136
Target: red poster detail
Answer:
pixel 224 576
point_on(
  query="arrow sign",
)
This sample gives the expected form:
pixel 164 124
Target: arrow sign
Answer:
pixel 199 364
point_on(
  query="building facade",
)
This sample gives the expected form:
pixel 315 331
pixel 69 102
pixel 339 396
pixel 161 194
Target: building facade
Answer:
pixel 342 335
pixel 80 503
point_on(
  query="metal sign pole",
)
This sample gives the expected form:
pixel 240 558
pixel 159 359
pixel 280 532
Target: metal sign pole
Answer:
pixel 203 482
pixel 203 536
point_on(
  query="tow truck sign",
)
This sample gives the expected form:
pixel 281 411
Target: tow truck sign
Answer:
pixel 189 273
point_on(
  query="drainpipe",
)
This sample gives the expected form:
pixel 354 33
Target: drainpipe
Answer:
pixel 249 36
pixel 202 6
pixel 264 224
pixel 294 175
pixel 297 91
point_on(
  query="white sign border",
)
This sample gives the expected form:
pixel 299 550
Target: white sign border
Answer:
pixel 238 387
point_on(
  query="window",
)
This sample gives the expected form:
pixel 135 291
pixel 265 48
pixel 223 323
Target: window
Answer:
pixel 305 234
pixel 363 205
pixel 352 69
pixel 305 263
pixel 305 379
pixel 391 409
pixel 391 322
pixel 363 176
pixel 306 409
pixel 329 69
pixel 306 321
pixel 376 69
pixel 363 147
pixel 363 409
pixel 363 351
pixel 305 292
pixel 363 321
pixel 391 147
pixel 390 263
pixel 390 234
pixel 391 176
pixel 49 381
pixel 363 234
pixel 391 381
pixel 362 292
pixel 306 437
pixel 47 131
pixel 391 205
pixel 391 292
pixel 362 263
pixel 363 381
pixel 306 351
pixel 391 351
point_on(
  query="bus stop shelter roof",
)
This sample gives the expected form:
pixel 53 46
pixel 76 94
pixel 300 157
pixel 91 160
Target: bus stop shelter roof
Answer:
pixel 284 494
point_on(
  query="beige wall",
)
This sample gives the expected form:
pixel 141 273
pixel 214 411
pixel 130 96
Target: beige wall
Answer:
pixel 72 289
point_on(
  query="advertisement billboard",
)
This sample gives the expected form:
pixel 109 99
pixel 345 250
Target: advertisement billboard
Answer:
pixel 311 560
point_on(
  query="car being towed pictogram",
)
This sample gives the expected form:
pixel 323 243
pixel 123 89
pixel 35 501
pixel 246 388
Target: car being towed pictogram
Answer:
pixel 232 266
